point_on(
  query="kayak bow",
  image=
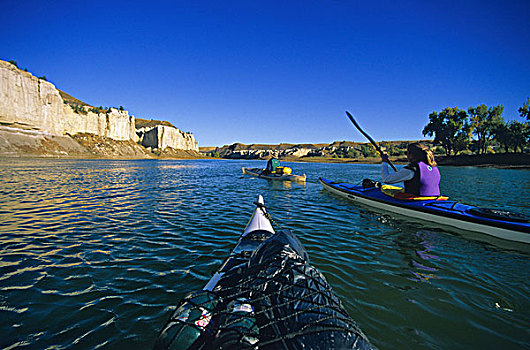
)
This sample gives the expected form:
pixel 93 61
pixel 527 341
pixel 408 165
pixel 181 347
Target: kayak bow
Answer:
pixel 497 223
pixel 265 295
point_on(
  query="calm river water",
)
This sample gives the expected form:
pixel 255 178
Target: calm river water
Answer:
pixel 96 253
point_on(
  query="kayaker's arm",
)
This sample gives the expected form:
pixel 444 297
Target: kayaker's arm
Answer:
pixel 391 178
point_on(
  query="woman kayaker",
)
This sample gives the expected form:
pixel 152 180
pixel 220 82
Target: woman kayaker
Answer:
pixel 421 176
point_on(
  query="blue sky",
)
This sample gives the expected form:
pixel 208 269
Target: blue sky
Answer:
pixel 278 71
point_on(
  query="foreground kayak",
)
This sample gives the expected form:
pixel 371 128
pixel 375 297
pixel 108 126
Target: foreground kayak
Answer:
pixel 265 295
pixel 285 177
pixel 497 223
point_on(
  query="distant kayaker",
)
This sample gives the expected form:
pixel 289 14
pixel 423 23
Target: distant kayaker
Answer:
pixel 272 164
pixel 421 176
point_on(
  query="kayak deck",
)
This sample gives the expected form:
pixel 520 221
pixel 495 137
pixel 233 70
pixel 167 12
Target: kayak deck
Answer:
pixel 446 212
pixel 265 295
pixel 282 177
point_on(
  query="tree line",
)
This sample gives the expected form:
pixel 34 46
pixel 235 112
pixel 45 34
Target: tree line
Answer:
pixel 480 129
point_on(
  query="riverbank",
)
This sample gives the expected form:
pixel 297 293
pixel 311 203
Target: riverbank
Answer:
pixel 499 160
pixel 357 152
pixel 25 142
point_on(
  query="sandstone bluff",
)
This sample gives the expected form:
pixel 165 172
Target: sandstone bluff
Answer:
pixel 36 119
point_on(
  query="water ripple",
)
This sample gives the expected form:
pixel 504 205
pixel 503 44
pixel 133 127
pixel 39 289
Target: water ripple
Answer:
pixel 96 254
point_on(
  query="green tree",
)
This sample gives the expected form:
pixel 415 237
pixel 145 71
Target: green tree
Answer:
pixel 392 149
pixel 484 121
pixel 351 153
pixel 512 135
pixel 502 136
pixel 518 135
pixel 450 129
pixel 346 152
pixel 462 139
pixel 367 150
pixel 524 111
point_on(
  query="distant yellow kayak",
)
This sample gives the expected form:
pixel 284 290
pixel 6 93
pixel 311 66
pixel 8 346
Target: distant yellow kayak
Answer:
pixel 274 176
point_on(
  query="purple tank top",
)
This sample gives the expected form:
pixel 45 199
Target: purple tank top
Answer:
pixel 425 182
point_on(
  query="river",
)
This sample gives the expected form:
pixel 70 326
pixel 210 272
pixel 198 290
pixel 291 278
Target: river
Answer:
pixel 97 253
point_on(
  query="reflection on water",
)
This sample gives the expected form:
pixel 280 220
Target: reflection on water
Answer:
pixel 98 253
pixel 424 265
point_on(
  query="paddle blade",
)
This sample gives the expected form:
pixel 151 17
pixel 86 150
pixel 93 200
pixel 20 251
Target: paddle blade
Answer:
pixel 368 137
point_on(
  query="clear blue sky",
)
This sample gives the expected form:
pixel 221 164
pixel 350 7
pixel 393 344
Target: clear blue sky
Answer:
pixel 272 71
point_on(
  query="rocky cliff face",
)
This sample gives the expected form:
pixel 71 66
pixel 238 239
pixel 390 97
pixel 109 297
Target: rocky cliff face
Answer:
pixel 33 112
pixel 163 136
pixel 338 149
pixel 33 103
pixel 256 151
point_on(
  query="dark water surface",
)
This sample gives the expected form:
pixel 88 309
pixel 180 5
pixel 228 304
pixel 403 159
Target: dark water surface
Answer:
pixel 96 253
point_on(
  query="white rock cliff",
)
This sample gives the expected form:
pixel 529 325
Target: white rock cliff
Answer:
pixel 162 136
pixel 35 103
pixel 31 103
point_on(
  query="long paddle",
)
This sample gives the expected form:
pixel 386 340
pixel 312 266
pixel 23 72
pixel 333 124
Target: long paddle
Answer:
pixel 369 138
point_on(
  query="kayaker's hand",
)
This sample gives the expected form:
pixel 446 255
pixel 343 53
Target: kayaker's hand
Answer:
pixel 384 157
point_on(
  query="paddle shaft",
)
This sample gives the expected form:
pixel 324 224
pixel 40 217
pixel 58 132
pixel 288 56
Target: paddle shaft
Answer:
pixel 369 138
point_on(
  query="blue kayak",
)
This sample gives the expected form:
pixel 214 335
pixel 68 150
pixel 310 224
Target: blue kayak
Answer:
pixel 495 222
